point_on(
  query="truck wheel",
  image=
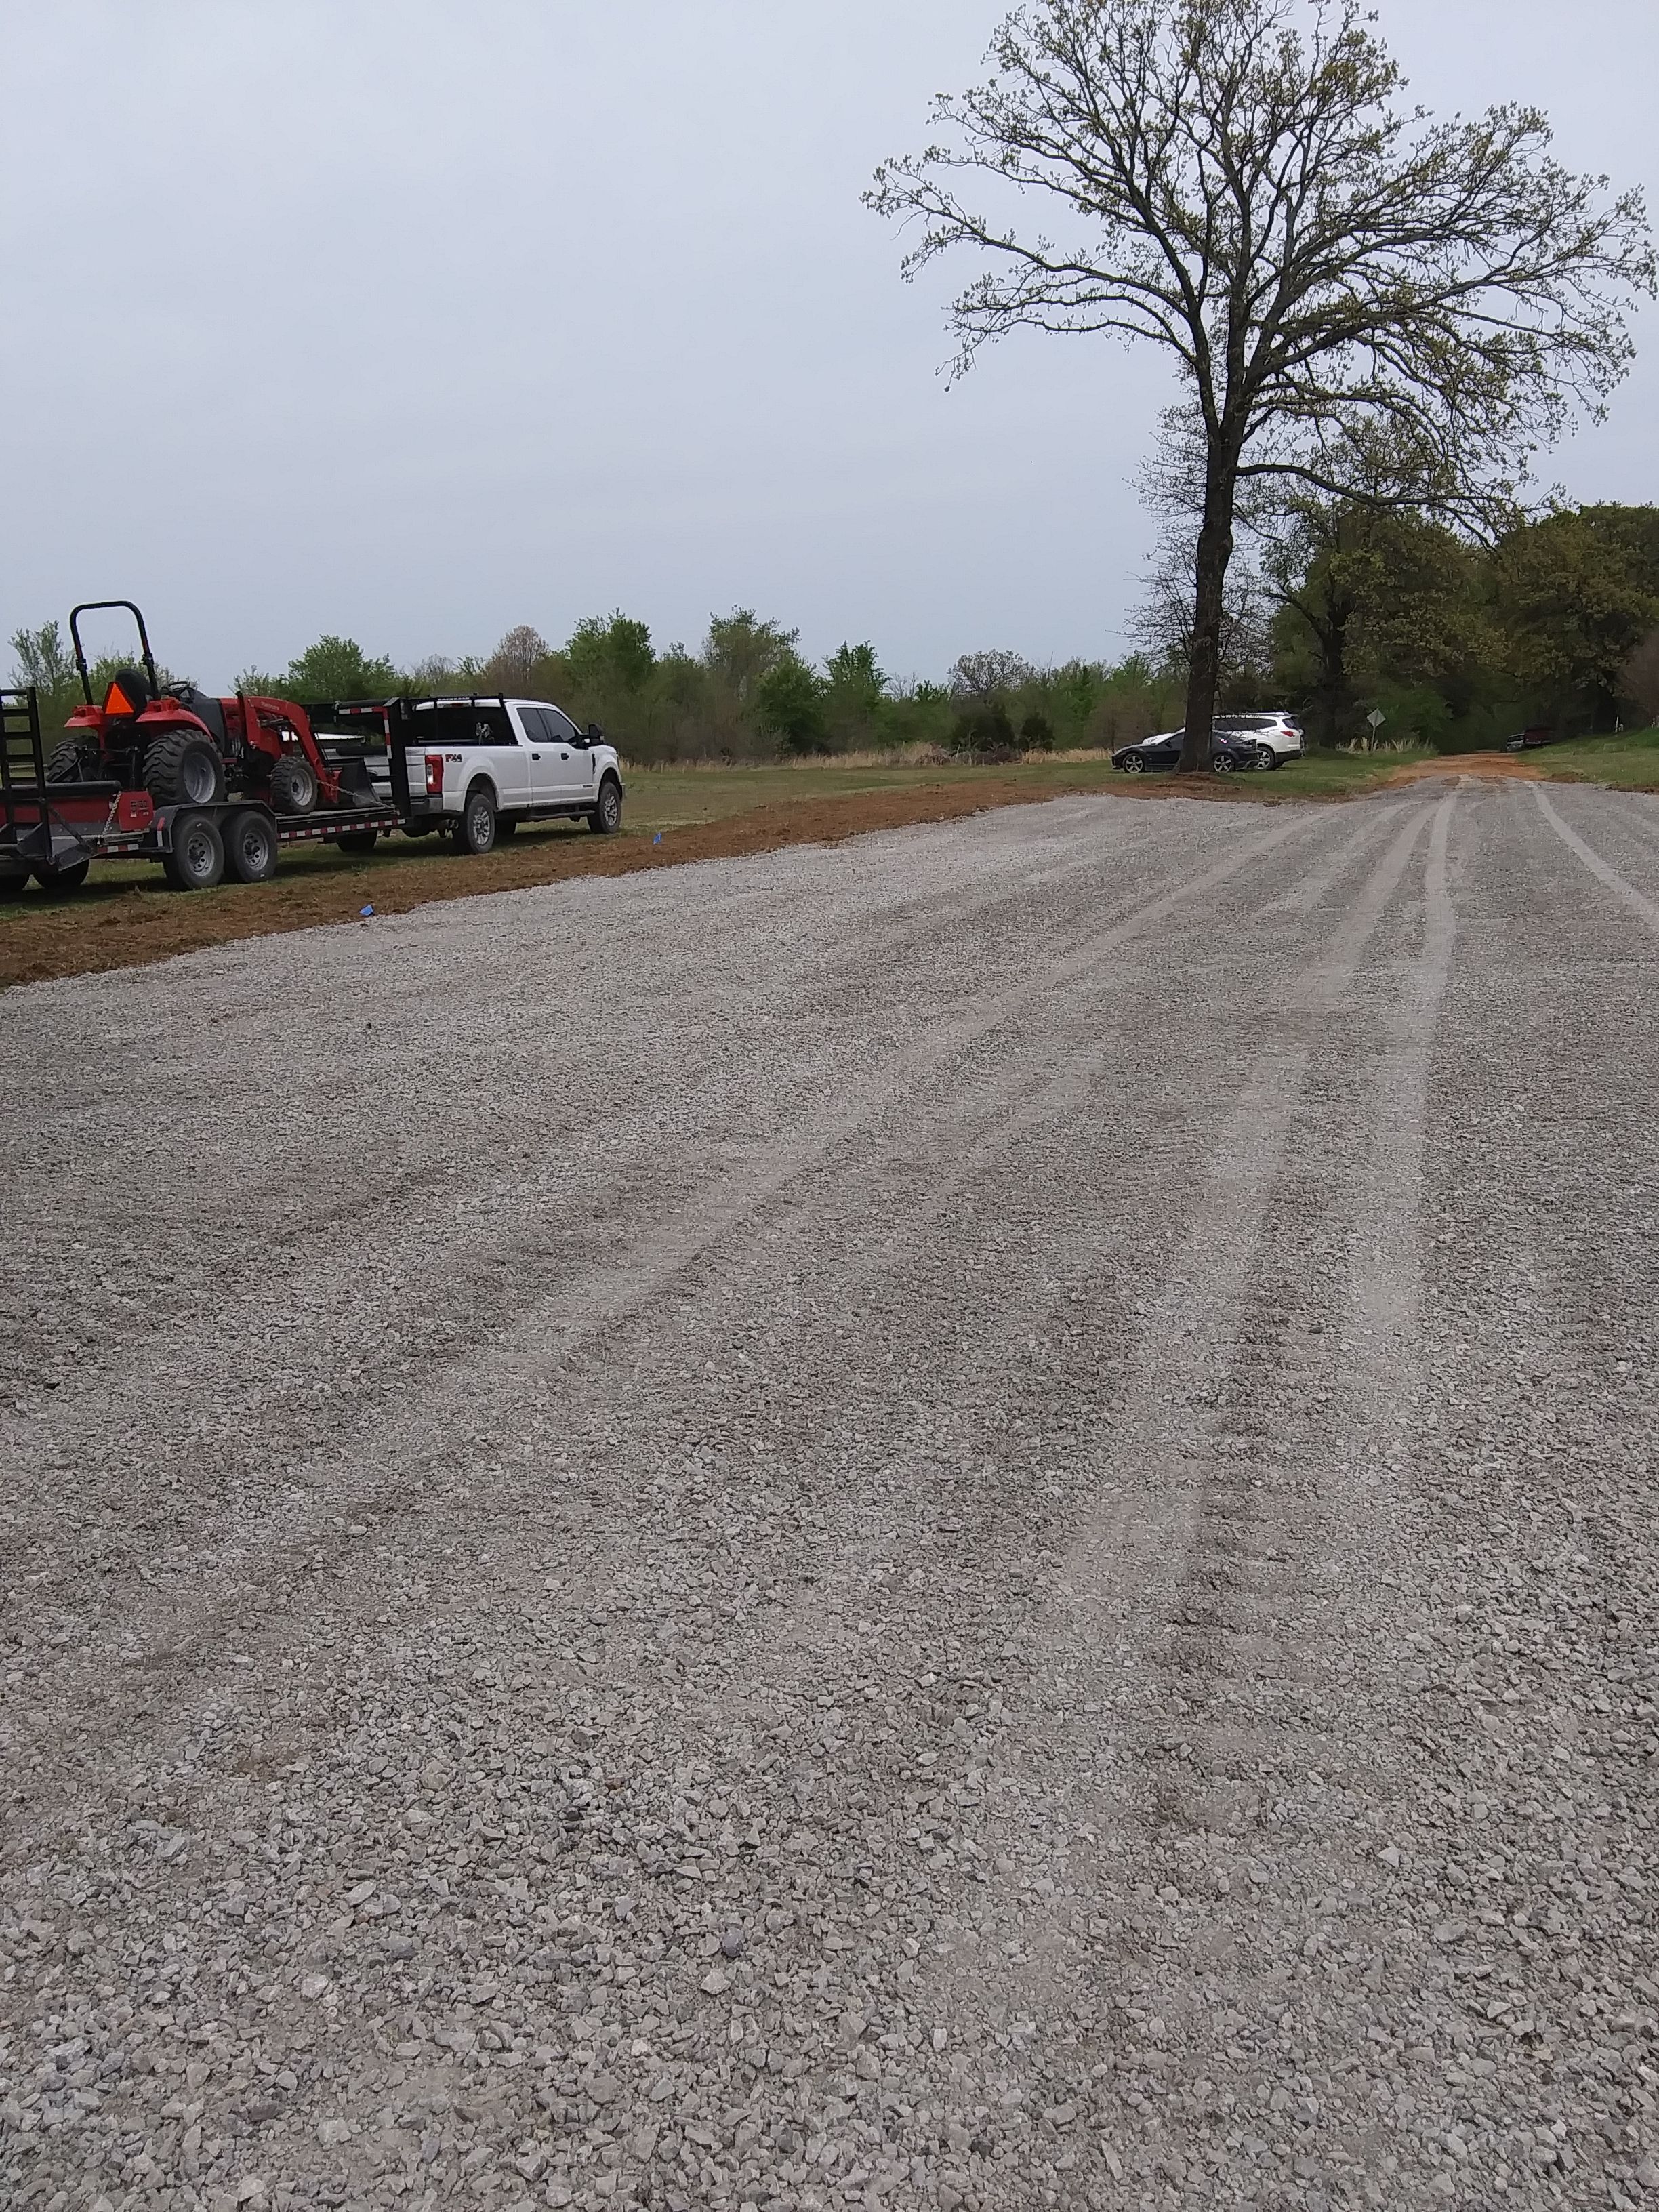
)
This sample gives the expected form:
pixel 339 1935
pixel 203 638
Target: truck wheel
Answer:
pixel 197 859
pixel 476 830
pixel 68 876
pixel 358 840
pixel 293 785
pixel 250 849
pixel 606 818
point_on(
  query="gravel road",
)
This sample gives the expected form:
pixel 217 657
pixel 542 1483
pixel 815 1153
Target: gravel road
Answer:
pixel 961 1521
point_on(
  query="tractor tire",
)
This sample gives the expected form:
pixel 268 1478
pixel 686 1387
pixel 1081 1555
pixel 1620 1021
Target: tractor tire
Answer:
pixel 358 840
pixel 67 763
pixel 69 876
pixel 474 832
pixel 250 847
pixel 606 818
pixel 293 785
pixel 197 859
pixel 183 768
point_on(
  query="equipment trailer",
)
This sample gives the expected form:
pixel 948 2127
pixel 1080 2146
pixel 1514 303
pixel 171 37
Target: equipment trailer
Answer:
pixel 210 788
pixel 53 829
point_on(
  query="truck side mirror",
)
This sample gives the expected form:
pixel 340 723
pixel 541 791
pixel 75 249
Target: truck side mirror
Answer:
pixel 593 733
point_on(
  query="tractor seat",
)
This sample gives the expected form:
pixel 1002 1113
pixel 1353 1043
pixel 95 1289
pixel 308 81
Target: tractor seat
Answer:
pixel 204 706
pixel 128 693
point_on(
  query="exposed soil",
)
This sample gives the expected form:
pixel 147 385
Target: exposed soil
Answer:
pixel 1485 767
pixel 118 927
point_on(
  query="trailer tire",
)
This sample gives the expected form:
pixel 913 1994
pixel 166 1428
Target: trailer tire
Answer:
pixel 293 785
pixel 182 767
pixel 474 832
pixel 606 818
pixel 69 876
pixel 250 849
pixel 197 861
pixel 358 840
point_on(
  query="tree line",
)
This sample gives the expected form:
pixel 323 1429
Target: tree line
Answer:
pixel 748 693
pixel 1349 610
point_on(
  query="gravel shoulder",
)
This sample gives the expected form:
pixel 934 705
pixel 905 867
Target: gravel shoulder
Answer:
pixel 961 1521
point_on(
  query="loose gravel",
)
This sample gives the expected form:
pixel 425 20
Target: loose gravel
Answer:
pixel 966 1522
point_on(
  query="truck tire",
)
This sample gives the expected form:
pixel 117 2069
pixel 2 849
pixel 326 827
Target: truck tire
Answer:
pixel 197 859
pixel 358 840
pixel 606 818
pixel 183 768
pixel 292 785
pixel 474 832
pixel 250 847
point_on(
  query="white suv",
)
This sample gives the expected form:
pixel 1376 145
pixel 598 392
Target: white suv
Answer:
pixel 1276 736
pixel 479 767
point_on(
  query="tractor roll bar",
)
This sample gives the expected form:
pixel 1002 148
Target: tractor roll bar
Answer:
pixel 96 607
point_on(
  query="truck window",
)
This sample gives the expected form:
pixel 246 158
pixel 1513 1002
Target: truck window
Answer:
pixel 464 722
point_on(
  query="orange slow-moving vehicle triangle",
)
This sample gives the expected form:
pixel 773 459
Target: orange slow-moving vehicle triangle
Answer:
pixel 116 702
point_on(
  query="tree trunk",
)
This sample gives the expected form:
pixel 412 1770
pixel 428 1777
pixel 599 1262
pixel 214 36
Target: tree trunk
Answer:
pixel 1215 551
pixel 1333 678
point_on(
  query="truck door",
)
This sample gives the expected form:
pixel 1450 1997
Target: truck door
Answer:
pixel 559 767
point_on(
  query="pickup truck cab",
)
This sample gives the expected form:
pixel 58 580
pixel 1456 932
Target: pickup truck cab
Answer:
pixel 476 767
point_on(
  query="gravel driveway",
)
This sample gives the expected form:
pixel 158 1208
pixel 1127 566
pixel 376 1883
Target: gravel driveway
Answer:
pixel 964 1521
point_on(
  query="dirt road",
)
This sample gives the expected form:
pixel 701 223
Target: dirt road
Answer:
pixel 964 1521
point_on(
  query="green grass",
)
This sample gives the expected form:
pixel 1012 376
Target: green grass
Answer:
pixel 1629 761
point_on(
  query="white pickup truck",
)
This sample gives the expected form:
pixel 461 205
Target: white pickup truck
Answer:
pixel 479 767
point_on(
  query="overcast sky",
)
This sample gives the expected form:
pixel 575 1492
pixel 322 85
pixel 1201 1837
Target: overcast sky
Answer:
pixel 415 319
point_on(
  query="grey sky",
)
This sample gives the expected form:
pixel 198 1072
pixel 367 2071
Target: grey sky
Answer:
pixel 415 319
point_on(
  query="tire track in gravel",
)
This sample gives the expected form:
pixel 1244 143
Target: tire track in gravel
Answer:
pixel 610 1296
pixel 1634 902
pixel 1207 1536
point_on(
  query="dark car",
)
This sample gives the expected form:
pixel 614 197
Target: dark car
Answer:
pixel 1228 753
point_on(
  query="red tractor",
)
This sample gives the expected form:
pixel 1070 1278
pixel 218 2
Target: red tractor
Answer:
pixel 186 748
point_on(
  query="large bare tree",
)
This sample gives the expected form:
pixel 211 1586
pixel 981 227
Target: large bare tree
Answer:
pixel 1234 181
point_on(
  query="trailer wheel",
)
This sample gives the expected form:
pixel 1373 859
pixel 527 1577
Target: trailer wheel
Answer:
pixel 250 849
pixel 197 859
pixel 474 832
pixel 292 785
pixel 606 818
pixel 69 876
pixel 13 874
pixel 183 768
pixel 358 840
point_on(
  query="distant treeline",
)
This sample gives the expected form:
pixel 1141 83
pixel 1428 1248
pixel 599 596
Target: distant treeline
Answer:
pixel 1346 612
